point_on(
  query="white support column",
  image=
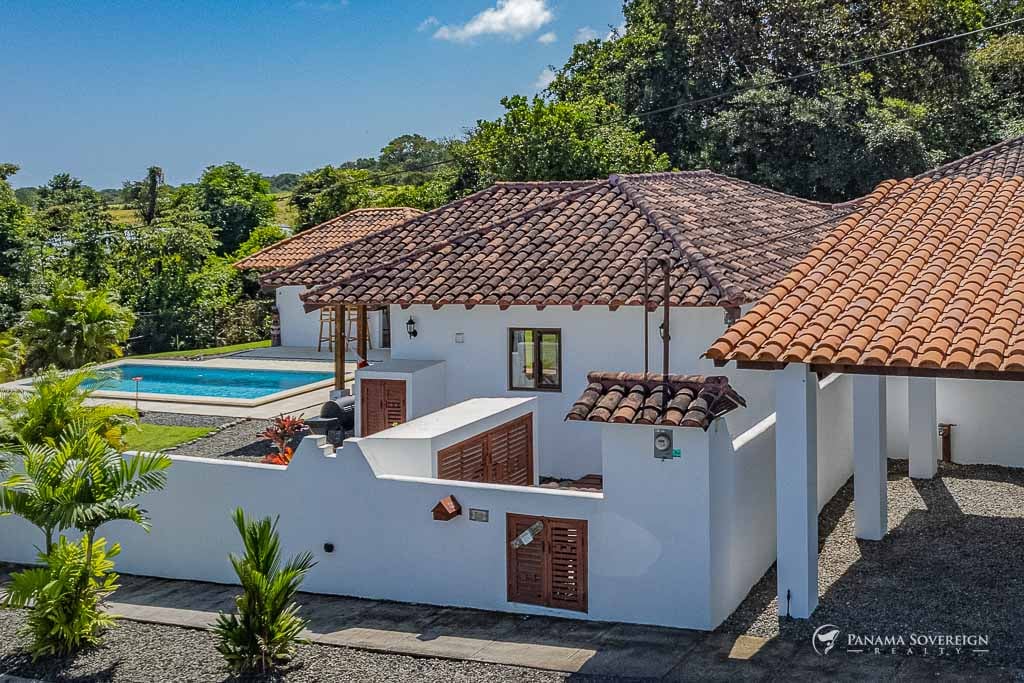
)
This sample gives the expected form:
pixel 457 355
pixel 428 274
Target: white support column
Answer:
pixel 869 457
pixel 796 489
pixel 923 432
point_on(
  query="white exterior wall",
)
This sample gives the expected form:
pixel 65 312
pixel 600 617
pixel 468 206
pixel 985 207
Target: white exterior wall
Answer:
pixel 593 338
pixel 987 415
pixel 411 448
pixel 425 386
pixel 302 329
pixel 650 544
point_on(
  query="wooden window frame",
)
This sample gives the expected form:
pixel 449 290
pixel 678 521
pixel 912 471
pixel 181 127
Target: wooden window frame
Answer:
pixel 537 368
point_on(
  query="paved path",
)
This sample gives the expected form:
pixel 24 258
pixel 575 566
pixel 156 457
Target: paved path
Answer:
pixel 566 645
pixel 555 644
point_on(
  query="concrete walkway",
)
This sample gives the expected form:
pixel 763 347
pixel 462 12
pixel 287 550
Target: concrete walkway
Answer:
pixel 564 645
pixel 555 644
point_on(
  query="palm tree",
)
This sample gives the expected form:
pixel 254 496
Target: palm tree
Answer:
pixel 73 325
pixel 80 482
pixel 56 401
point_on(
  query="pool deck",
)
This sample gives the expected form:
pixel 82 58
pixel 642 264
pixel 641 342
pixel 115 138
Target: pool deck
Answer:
pixel 304 404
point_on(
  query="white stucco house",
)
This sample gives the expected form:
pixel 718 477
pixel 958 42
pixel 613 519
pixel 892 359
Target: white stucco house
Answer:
pixel 297 327
pixel 547 435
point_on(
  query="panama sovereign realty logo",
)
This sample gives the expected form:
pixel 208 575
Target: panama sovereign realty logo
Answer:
pixel 829 637
pixel 825 638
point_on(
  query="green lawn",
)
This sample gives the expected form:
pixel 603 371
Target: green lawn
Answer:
pixel 147 437
pixel 192 353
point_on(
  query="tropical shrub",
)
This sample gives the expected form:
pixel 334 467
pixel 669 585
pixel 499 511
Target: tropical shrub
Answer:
pixel 55 402
pixel 266 628
pixel 80 482
pixel 73 325
pixel 12 357
pixel 284 429
pixel 65 596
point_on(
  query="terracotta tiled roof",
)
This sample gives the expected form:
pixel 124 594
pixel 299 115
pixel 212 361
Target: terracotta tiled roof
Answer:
pixel 1003 159
pixel 432 226
pixel 583 243
pixel 326 237
pixel 930 275
pixel 633 398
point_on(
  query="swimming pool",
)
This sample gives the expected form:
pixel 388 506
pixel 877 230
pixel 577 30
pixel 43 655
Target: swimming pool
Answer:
pixel 197 381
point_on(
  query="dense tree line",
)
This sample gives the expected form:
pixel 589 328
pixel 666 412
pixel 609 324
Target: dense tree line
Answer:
pixel 729 89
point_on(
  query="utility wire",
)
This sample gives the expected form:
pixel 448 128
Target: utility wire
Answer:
pixel 710 98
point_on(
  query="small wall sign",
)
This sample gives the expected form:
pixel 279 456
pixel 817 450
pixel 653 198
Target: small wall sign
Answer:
pixel 478 515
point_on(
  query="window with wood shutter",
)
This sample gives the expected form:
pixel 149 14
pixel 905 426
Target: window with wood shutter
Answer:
pixel 551 569
pixel 503 455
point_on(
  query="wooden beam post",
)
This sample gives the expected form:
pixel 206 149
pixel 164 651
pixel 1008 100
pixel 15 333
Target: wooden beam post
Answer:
pixel 339 346
pixel 362 332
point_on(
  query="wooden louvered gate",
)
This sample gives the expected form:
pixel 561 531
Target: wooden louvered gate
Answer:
pixel 552 569
pixel 503 455
pixel 382 403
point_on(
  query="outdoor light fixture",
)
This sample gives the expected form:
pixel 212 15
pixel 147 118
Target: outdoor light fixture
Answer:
pixel 137 380
pixel 661 331
pixel 410 327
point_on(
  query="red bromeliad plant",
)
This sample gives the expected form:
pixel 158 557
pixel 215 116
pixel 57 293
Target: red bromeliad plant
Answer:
pixel 280 433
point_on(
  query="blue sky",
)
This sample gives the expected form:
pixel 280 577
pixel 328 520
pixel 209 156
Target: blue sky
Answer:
pixel 104 89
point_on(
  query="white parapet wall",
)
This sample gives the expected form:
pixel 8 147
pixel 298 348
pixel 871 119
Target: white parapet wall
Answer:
pixel 411 448
pixel 660 539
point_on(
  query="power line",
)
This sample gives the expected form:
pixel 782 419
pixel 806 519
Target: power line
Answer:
pixel 710 98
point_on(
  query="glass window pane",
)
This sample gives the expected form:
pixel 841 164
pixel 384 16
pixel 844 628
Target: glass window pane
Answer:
pixel 551 373
pixel 522 359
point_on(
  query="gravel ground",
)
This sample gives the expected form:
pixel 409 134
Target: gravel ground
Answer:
pixel 950 564
pixel 143 653
pixel 241 442
pixel 184 420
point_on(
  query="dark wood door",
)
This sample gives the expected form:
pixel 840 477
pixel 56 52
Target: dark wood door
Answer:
pixel 383 404
pixel 551 570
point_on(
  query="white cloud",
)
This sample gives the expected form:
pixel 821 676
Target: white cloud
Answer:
pixel 513 19
pixel 547 38
pixel 585 34
pixel 545 78
pixel 429 22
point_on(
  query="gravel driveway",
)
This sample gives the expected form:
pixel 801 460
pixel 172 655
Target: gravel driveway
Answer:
pixel 144 653
pixel 950 564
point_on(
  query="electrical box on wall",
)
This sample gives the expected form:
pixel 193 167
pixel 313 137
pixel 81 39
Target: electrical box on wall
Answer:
pixel 663 445
pixel 460 337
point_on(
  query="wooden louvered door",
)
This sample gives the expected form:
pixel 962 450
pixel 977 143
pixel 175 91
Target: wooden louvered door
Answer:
pixel 382 403
pixel 551 570
pixel 503 455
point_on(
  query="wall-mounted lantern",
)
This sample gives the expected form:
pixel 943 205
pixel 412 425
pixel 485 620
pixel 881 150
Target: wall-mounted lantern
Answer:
pixel 410 327
pixel 661 332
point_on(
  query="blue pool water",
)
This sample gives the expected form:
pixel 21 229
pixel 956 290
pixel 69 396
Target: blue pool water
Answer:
pixel 192 380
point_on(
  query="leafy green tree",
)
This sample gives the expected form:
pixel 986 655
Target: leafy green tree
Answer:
pixel 233 201
pixel 73 325
pixel 75 230
pixel 266 628
pixel 260 238
pixel 145 195
pixel 65 597
pixel 723 63
pixel 542 140
pixel 58 400
pixel 14 257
